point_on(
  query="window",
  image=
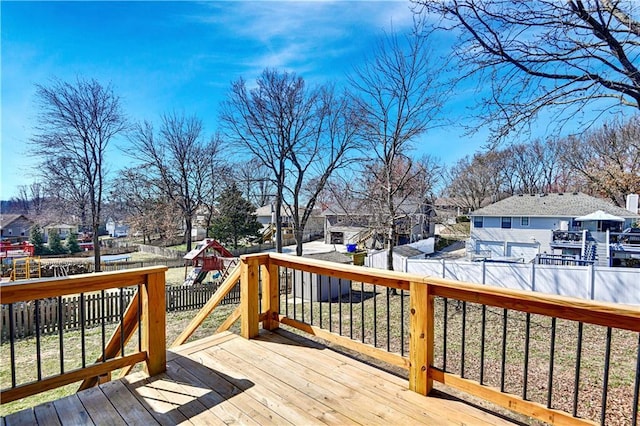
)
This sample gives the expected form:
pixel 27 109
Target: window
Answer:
pixel 524 221
pixel 506 223
pixel 477 221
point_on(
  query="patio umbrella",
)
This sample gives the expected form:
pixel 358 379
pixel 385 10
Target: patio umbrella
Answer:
pixel 599 215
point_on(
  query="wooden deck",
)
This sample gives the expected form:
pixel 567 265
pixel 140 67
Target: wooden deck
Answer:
pixel 273 379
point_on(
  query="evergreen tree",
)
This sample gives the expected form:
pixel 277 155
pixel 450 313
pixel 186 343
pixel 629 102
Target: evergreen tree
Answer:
pixel 236 218
pixel 72 244
pixel 55 244
pixel 37 240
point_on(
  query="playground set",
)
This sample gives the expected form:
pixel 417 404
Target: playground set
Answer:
pixel 208 256
pixel 20 256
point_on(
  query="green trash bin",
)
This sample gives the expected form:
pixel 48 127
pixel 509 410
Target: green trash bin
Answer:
pixel 358 258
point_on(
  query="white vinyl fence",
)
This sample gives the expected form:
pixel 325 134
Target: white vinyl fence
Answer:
pixel 617 285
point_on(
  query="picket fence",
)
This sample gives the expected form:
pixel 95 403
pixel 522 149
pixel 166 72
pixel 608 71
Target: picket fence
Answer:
pixel 66 312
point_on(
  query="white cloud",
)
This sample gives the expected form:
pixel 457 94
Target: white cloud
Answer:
pixel 300 36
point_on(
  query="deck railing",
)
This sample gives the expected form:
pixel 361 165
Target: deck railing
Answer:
pixel 145 313
pixel 512 348
pixel 475 338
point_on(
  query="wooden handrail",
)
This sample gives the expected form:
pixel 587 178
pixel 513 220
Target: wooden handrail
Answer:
pixel 151 297
pixel 601 313
pixel 83 283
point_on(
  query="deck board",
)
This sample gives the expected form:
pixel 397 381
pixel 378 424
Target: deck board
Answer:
pixel 99 408
pixel 270 380
pixel 71 411
pixel 46 415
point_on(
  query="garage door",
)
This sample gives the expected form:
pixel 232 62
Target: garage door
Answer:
pixel 526 251
pixel 496 248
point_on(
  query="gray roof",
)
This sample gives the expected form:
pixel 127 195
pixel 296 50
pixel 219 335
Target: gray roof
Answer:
pixel 331 256
pixel 8 219
pixel 407 251
pixel 552 205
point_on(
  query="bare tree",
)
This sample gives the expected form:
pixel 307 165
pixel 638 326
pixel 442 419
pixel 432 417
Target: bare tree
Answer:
pixel 473 181
pixel 76 122
pixel 315 163
pixel 608 159
pixel 285 126
pixel 256 181
pixel 532 56
pixel 180 161
pixel 397 99
pixel 146 208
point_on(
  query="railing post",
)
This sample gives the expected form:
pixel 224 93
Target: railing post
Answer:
pixel 420 337
pixel 154 323
pixel 270 295
pixel 249 274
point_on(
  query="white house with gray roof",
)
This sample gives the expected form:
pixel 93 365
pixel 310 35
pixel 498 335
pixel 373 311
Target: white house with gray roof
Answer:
pixel 522 226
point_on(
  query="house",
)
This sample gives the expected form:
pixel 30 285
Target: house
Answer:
pixel 62 229
pixel 266 216
pixel 117 228
pixel 523 226
pixel 358 224
pixel 14 227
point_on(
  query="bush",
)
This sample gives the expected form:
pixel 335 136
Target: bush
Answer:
pixel 72 244
pixel 37 240
pixel 55 244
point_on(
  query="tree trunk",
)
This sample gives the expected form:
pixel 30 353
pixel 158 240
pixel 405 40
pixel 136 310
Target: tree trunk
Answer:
pixel 278 216
pixel 390 242
pixel 96 248
pixel 299 233
pixel 188 225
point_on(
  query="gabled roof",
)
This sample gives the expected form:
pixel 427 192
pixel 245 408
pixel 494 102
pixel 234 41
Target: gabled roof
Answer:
pixel 8 219
pixel 568 205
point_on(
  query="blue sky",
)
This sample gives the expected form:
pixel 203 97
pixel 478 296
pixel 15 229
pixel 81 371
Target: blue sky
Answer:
pixel 182 56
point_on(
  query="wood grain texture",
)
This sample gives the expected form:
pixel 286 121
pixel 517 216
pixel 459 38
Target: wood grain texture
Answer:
pixel 99 408
pixel 270 296
pixel 272 379
pixel 52 287
pixel 420 347
pixel 71 412
pixel 510 401
pixel 70 377
pixel 153 325
pixel 46 415
pixel 211 304
pixel 249 283
pixel 368 350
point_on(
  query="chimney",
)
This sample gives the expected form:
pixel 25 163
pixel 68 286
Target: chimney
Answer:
pixel 632 203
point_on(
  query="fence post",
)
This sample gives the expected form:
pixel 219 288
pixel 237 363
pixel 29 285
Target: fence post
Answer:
pixel 154 323
pixel 249 296
pixel 420 337
pixel 270 295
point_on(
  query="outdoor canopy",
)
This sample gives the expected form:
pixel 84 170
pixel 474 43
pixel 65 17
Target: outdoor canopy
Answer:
pixel 599 215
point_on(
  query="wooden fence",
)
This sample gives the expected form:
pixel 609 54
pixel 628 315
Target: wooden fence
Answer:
pixel 96 309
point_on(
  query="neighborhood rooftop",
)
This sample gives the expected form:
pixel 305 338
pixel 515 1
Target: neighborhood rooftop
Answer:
pixel 555 204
